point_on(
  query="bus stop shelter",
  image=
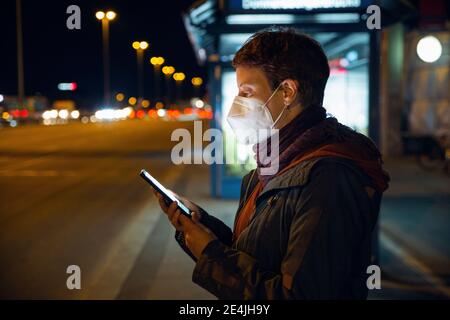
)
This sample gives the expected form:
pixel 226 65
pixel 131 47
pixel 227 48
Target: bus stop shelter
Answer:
pixel 218 28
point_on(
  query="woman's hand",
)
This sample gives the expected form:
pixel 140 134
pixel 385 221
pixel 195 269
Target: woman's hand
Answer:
pixel 196 235
pixel 171 211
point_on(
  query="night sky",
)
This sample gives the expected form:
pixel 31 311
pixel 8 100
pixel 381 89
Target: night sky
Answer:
pixel 54 54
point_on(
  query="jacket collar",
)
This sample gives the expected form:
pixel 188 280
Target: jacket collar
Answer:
pixel 295 176
pixel 299 174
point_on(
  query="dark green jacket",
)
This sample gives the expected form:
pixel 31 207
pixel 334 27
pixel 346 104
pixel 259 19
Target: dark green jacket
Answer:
pixel 310 237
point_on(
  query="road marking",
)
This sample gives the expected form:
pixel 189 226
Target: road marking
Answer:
pixel 14 165
pixel 140 278
pixel 121 257
pixel 390 243
pixel 54 173
pixel 37 173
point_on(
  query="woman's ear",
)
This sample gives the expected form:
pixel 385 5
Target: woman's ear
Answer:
pixel 290 91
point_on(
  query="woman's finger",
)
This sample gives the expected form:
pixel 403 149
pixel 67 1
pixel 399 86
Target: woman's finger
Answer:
pixel 162 203
pixel 188 203
pixel 176 221
pixel 172 209
pixel 196 217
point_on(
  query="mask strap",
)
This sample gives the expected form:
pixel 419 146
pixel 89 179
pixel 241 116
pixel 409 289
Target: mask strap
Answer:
pixel 279 116
pixel 273 93
pixel 284 109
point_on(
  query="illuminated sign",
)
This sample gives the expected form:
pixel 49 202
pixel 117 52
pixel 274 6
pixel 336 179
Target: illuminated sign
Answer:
pixel 71 86
pixel 295 4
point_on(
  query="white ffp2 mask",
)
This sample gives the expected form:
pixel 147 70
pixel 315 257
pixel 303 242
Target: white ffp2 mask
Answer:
pixel 251 120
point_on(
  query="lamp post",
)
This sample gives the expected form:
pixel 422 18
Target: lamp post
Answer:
pixel 196 82
pixel 140 47
pixel 105 18
pixel 20 72
pixel 168 71
pixel 179 78
pixel 157 62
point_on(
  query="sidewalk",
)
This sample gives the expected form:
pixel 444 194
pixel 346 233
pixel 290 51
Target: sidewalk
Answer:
pixel 414 237
pixel 173 278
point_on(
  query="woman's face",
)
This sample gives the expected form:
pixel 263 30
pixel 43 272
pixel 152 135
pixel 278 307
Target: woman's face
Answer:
pixel 253 83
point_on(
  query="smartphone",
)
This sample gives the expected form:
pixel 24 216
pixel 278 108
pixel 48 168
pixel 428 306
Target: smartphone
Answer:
pixel 167 195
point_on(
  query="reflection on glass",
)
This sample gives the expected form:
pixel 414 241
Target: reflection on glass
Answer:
pixel 238 158
pixel 346 97
pixel 346 93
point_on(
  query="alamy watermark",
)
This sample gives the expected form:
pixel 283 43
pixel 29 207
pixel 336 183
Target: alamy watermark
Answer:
pixel 372 16
pixel 73 22
pixel 74 280
pixel 373 21
pixel 374 280
pixel 184 151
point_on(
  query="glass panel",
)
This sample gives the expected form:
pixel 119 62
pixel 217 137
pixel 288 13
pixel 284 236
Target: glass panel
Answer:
pixel 347 90
pixel 346 94
pixel 238 158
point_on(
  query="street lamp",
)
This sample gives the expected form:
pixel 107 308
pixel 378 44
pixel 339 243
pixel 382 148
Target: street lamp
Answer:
pixel 179 77
pixel 105 18
pixel 157 62
pixel 196 82
pixel 168 71
pixel 120 97
pixel 140 46
pixel 429 49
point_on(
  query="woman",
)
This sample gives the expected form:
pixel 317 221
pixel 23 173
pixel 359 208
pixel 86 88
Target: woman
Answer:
pixel 304 231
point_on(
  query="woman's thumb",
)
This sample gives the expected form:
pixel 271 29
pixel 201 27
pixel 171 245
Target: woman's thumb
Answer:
pixel 196 216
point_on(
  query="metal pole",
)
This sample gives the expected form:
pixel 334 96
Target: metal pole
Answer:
pixel 177 91
pixel 20 73
pixel 374 86
pixel 157 75
pixel 169 91
pixel 374 116
pixel 106 73
pixel 140 58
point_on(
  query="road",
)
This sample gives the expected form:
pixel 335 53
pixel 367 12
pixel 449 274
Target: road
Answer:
pixel 71 195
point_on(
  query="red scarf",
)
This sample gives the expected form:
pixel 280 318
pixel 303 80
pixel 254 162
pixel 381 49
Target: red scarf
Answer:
pixel 329 138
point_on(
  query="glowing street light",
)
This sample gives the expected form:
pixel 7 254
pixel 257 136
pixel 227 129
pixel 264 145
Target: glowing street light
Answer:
pixel 143 45
pixel 168 70
pixel 132 101
pixel 157 62
pixel 140 45
pixel 136 45
pixel 100 15
pixel 429 49
pixel 196 81
pixel 110 15
pixel 179 76
pixel 120 96
pixel 105 18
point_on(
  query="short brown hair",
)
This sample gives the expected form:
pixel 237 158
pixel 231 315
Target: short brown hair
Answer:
pixel 284 53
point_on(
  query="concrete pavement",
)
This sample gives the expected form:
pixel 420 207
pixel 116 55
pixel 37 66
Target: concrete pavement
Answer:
pixel 414 233
pixel 72 195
